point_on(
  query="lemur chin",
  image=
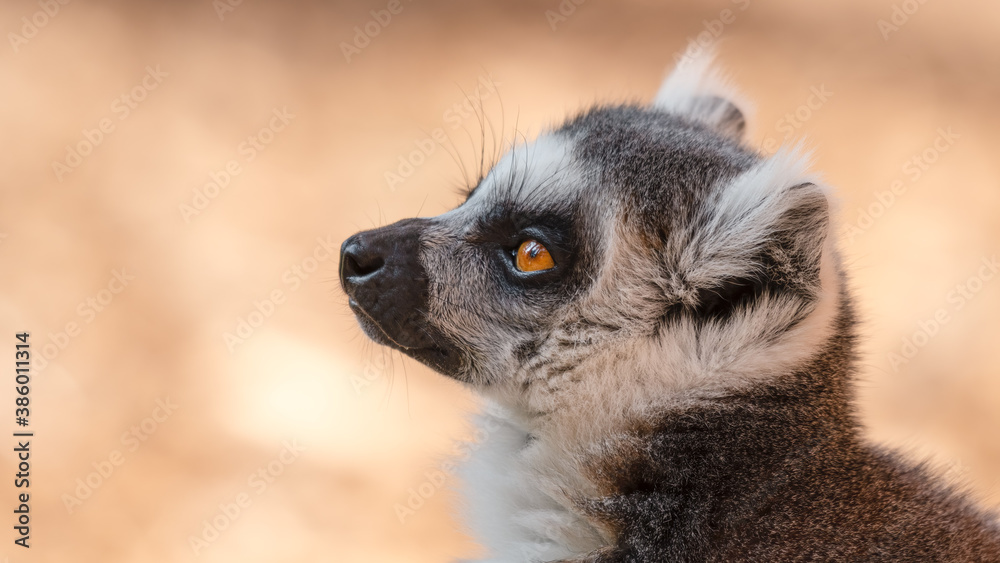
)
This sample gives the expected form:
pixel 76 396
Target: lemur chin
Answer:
pixel 658 319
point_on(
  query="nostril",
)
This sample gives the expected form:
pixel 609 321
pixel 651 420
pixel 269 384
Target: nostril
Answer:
pixel 357 262
pixel 360 266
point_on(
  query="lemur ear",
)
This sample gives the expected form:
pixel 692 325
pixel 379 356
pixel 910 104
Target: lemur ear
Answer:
pixel 697 91
pixel 769 230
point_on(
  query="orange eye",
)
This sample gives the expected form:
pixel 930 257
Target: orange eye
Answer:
pixel 533 257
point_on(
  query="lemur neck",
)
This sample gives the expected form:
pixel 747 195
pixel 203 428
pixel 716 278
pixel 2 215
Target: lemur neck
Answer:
pixel 816 388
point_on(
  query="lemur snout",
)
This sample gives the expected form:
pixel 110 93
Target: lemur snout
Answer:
pixel 386 284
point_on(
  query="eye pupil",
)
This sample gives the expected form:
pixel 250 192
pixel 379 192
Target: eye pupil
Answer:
pixel 532 256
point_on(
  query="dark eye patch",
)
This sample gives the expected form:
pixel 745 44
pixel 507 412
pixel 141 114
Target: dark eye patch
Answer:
pixel 500 231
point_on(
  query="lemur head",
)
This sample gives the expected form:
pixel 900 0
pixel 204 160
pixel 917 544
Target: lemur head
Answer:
pixel 632 256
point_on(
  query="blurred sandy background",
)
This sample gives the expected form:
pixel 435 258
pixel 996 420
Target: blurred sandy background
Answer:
pixel 373 425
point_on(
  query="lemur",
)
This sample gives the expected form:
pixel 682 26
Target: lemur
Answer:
pixel 658 320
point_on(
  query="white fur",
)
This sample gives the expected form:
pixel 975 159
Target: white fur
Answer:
pixel 542 167
pixel 687 89
pixel 516 502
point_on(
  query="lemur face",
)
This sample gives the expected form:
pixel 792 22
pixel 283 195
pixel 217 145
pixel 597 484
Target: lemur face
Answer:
pixel 629 239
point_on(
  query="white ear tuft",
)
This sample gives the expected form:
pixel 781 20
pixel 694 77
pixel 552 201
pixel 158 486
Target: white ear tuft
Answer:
pixel 698 91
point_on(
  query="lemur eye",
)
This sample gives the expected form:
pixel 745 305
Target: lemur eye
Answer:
pixel 532 256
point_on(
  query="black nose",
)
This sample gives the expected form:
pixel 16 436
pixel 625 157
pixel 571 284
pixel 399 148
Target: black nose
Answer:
pixel 358 261
pixel 381 262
